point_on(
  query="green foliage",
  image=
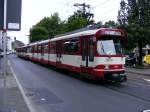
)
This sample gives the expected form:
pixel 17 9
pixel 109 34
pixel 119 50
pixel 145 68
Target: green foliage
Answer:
pixel 86 16
pixel 38 33
pixel 135 19
pixel 111 24
pixel 137 26
pixel 75 23
pixel 52 24
pixel 78 20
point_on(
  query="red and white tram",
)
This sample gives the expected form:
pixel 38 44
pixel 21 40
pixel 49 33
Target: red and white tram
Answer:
pixel 94 53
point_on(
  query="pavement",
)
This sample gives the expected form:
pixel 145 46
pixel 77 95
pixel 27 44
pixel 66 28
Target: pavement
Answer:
pixel 11 99
pixel 140 71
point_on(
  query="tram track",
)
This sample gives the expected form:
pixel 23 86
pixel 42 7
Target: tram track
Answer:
pixel 136 81
pixel 144 80
pixel 136 73
pixel 116 88
pixel 139 82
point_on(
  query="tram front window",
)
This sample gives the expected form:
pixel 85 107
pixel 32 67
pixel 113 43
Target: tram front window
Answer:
pixel 109 47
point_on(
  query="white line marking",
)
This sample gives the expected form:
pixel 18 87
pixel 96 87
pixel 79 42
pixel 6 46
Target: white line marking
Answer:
pixel 148 80
pixel 43 99
pixel 146 111
pixel 29 105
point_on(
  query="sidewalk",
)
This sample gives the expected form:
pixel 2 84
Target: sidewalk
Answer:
pixel 11 99
pixel 142 71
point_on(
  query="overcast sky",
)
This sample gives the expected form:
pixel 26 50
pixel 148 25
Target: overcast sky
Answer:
pixel 34 10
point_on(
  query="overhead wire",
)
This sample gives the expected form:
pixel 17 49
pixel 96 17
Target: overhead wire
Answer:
pixel 106 1
pixel 68 4
pixel 87 1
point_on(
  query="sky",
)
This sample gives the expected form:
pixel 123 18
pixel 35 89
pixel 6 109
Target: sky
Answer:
pixel 35 10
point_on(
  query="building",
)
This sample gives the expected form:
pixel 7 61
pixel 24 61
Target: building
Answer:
pixel 16 43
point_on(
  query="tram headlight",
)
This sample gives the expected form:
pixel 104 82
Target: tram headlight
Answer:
pixel 106 67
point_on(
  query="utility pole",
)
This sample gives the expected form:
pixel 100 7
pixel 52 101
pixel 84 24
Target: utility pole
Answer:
pixel 83 5
pixel 85 14
pixel 4 40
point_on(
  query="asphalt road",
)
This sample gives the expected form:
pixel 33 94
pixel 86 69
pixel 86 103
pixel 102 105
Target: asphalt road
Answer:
pixel 50 90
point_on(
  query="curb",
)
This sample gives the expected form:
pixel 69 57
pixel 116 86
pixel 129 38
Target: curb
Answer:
pixel 28 103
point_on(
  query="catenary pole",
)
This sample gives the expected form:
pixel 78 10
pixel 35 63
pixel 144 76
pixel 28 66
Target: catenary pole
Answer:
pixel 4 41
pixel 4 34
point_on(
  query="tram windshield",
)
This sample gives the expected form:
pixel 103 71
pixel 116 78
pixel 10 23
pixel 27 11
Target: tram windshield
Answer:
pixel 109 47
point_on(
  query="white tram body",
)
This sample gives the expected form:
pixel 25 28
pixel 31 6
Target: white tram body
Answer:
pixel 94 53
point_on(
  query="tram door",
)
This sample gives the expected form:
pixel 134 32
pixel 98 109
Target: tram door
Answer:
pixel 58 53
pixel 87 53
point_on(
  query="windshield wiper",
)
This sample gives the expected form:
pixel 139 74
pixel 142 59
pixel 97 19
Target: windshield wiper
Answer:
pixel 102 47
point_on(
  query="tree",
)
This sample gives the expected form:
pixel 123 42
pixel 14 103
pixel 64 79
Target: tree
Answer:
pixel 123 13
pixel 38 33
pixel 111 24
pixel 74 23
pixel 139 20
pixel 137 14
pixel 81 18
pixel 52 24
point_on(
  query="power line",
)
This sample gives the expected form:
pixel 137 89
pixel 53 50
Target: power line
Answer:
pixel 69 2
pixel 87 1
pixel 106 1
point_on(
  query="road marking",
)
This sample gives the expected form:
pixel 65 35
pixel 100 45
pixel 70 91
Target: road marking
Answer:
pixel 43 99
pixel 148 80
pixel 146 111
pixel 139 84
pixel 29 104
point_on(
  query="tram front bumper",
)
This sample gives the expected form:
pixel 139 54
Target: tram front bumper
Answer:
pixel 115 76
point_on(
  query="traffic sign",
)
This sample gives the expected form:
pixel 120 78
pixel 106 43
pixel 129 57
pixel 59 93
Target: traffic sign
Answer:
pixel 14 15
pixel 13 18
pixel 1 13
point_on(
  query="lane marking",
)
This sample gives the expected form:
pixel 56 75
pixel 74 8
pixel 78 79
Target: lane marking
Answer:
pixel 142 80
pixel 27 101
pixel 139 84
pixel 148 80
pixel 146 111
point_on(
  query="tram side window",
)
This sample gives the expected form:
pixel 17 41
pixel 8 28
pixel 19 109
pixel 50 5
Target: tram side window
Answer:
pixel 35 48
pixel 71 46
pixel 46 48
pixel 91 52
pixel 39 49
pixel 42 49
pixel 84 50
pixel 32 49
pixel 28 50
pixel 53 47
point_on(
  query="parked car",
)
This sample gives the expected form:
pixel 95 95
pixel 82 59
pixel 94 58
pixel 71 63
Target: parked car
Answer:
pixel 130 60
pixel 1 54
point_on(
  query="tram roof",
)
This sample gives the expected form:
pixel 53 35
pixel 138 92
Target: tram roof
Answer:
pixel 71 35
pixel 78 34
pixel 44 41
pixel 81 33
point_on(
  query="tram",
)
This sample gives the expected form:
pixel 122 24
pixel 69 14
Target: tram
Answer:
pixel 96 53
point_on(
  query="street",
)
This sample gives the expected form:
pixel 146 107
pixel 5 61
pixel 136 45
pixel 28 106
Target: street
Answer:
pixel 50 90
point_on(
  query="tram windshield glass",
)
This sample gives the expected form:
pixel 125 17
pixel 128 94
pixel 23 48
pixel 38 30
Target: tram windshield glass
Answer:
pixel 109 47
